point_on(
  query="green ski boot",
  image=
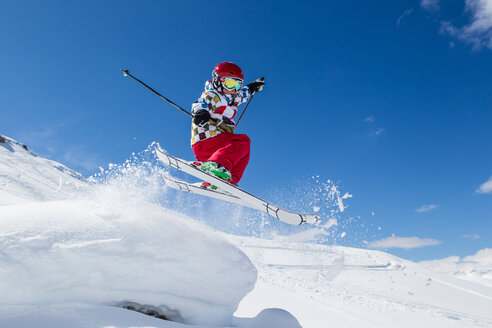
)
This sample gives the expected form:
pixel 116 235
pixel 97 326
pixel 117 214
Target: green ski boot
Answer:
pixel 216 169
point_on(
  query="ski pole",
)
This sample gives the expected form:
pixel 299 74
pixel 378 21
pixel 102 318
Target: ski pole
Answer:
pixel 127 73
pixel 239 119
pixel 251 98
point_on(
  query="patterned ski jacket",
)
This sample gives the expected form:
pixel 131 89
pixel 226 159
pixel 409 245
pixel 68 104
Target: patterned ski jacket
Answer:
pixel 222 109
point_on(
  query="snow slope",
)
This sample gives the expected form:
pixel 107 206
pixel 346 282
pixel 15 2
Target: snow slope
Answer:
pixel 333 286
pixel 71 257
pixel 26 177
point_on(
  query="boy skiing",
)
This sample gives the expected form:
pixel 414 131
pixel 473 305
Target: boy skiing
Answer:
pixel 214 143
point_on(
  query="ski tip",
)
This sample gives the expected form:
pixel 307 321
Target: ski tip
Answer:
pixel 159 149
pixel 125 72
pixel 312 219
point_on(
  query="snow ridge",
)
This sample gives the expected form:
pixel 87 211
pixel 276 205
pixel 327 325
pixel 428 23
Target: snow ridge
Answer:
pixel 26 176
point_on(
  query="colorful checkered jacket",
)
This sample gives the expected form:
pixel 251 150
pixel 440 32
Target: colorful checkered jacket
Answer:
pixel 222 109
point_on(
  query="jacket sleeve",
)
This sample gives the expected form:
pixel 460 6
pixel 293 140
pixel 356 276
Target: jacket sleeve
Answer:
pixel 244 94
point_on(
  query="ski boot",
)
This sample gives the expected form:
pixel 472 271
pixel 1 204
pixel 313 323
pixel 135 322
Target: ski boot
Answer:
pixel 220 171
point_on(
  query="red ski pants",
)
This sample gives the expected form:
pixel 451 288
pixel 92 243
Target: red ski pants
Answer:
pixel 228 149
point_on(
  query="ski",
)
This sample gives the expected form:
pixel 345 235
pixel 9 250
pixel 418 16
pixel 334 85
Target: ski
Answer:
pixel 241 197
pixel 196 188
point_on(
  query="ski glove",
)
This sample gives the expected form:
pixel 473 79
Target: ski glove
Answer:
pixel 201 117
pixel 257 85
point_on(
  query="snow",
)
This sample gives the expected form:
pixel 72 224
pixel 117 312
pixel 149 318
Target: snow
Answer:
pixel 348 287
pixel 120 250
pixel 26 177
pixel 78 315
pixel 107 246
pixel 75 253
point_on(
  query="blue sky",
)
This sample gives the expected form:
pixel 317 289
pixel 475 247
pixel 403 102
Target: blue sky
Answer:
pixel 392 100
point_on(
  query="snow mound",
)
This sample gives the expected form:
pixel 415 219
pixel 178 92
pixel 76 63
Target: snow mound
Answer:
pixel 110 248
pixel 79 315
pixel 275 318
pixel 27 177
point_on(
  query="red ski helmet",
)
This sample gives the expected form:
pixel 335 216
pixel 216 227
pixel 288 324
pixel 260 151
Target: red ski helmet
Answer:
pixel 223 70
pixel 228 69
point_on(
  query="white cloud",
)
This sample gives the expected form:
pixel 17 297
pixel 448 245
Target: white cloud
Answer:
pixel 482 256
pixel 406 13
pixel 472 236
pixel 474 268
pixel 478 32
pixel 430 5
pixel 486 187
pixel 403 242
pixel 427 208
pixel 376 133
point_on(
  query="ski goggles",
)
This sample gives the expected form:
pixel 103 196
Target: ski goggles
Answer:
pixel 231 83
